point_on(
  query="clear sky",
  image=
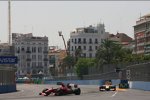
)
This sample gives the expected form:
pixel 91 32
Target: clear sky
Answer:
pixel 46 18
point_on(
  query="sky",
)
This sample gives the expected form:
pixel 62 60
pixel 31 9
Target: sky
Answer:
pixel 46 18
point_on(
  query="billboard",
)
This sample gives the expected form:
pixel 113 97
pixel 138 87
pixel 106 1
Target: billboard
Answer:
pixel 8 60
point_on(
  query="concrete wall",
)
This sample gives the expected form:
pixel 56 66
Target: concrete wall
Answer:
pixel 140 85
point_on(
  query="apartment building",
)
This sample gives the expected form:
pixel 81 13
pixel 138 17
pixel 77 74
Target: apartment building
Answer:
pixel 142 35
pixel 32 53
pixel 56 57
pixel 87 39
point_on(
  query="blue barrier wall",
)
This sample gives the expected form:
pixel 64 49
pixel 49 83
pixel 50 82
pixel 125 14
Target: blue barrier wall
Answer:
pixel 7 88
pixel 140 85
pixel 83 82
pixel 132 84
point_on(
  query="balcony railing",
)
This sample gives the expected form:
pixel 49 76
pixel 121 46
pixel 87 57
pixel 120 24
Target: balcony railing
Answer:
pixel 45 59
pixel 90 50
pixel 28 59
pixel 28 51
pixel 45 51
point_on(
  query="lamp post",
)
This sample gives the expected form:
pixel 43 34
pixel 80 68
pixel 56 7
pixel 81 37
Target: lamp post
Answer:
pixel 60 34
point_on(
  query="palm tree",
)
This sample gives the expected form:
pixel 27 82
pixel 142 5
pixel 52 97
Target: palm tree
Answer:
pixel 105 53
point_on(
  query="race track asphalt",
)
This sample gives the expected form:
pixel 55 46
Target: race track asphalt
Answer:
pixel 89 92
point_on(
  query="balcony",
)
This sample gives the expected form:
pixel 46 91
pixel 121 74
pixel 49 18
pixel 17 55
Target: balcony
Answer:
pixel 45 51
pixel 28 51
pixel 90 50
pixel 45 59
pixel 96 42
pixel 39 67
pixel 28 59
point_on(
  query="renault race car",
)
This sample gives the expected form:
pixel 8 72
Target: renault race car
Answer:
pixel 63 90
pixel 107 86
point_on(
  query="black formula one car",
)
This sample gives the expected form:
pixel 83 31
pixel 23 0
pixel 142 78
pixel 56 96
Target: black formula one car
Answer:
pixel 63 90
pixel 107 86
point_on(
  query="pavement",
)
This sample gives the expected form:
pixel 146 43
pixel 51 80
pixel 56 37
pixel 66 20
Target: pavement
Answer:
pixel 88 92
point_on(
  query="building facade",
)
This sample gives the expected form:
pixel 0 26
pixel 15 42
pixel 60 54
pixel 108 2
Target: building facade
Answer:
pixel 142 35
pixel 56 57
pixel 87 39
pixel 32 53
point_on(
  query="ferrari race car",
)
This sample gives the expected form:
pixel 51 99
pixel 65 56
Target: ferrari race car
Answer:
pixel 107 86
pixel 62 90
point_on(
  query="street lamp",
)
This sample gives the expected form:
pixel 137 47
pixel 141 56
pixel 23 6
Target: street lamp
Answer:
pixel 60 34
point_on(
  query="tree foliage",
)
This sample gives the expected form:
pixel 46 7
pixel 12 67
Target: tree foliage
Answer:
pixel 111 52
pixel 82 66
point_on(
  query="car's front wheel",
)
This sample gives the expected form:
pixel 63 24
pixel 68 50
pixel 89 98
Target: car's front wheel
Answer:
pixel 77 91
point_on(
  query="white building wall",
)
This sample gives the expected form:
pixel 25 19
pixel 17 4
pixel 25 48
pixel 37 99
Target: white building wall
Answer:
pixel 100 36
pixel 27 61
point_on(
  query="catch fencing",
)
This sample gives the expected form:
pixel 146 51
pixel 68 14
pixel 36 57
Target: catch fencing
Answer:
pixel 134 71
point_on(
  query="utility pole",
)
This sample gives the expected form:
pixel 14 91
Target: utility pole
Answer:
pixel 9 22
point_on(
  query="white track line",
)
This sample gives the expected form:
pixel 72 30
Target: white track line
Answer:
pixel 114 93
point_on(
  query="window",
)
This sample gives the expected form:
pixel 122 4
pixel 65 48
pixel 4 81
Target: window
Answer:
pixel 90 48
pixel 72 40
pixel 96 41
pixel 34 49
pixel 79 47
pixel 84 47
pixel 39 49
pixel 79 40
pixel 90 41
pixel 75 41
pixel 90 55
pixel 39 63
pixel 22 49
pixel 95 47
pixel 28 56
pixel 28 48
pixel 28 64
pixel 72 48
pixel 75 47
pixel 33 64
pixel 84 55
pixel 45 56
pixel 84 40
pixel 45 63
pixel 45 48
pixel 39 57
pixel 33 57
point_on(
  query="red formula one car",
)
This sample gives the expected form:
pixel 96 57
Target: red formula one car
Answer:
pixel 63 90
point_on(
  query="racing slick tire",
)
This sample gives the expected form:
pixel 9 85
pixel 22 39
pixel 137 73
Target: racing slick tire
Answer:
pixel 114 89
pixel 77 91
